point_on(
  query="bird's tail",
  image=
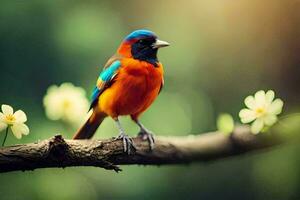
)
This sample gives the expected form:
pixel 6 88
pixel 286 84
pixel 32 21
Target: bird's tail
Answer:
pixel 90 126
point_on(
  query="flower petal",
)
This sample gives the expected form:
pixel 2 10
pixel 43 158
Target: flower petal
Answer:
pixel 257 126
pixel 260 98
pixel 7 110
pixel 250 102
pixel 20 116
pixel 269 120
pixel 2 117
pixel 18 129
pixel 270 96
pixel 25 129
pixel 276 107
pixel 247 115
pixel 3 126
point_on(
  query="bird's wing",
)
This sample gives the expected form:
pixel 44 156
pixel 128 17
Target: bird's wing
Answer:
pixel 162 85
pixel 111 60
pixel 105 78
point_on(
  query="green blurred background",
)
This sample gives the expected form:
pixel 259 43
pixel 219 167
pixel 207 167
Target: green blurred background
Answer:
pixel 222 51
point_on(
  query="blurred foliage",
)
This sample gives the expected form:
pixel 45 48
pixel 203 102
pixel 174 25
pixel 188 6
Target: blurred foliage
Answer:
pixel 221 51
pixel 225 123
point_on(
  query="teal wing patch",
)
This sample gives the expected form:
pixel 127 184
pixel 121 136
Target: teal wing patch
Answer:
pixel 109 72
pixel 104 80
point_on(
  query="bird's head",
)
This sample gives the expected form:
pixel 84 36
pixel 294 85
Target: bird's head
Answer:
pixel 142 45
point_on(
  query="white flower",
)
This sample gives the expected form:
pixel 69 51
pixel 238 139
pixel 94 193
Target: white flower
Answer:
pixel 262 109
pixel 13 120
pixel 66 102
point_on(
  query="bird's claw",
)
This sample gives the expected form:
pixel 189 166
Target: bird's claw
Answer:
pixel 128 144
pixel 147 135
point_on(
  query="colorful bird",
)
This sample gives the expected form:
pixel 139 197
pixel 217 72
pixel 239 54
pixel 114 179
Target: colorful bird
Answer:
pixel 128 84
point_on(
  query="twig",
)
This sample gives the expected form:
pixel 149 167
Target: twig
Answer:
pixel 58 152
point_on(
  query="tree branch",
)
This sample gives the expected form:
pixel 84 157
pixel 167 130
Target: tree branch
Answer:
pixel 58 152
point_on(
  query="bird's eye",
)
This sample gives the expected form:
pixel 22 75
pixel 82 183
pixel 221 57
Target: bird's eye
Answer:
pixel 141 41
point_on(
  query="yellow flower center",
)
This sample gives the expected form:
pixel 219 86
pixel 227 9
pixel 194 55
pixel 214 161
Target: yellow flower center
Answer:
pixel 66 104
pixel 10 119
pixel 260 111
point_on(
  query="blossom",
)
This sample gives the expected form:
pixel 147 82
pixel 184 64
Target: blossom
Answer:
pixel 262 109
pixel 66 102
pixel 13 120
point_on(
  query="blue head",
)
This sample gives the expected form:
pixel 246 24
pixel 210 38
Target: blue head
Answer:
pixel 144 45
pixel 140 34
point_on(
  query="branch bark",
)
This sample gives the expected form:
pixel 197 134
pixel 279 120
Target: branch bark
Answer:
pixel 58 152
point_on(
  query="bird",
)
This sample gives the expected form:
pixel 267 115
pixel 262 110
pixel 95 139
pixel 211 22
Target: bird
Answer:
pixel 128 84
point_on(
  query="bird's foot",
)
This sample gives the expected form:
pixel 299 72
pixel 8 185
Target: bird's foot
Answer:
pixel 147 135
pixel 128 145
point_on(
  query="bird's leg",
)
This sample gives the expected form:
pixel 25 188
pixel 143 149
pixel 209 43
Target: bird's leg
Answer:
pixel 127 141
pixel 145 134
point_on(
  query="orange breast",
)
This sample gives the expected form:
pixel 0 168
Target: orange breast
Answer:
pixel 134 89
